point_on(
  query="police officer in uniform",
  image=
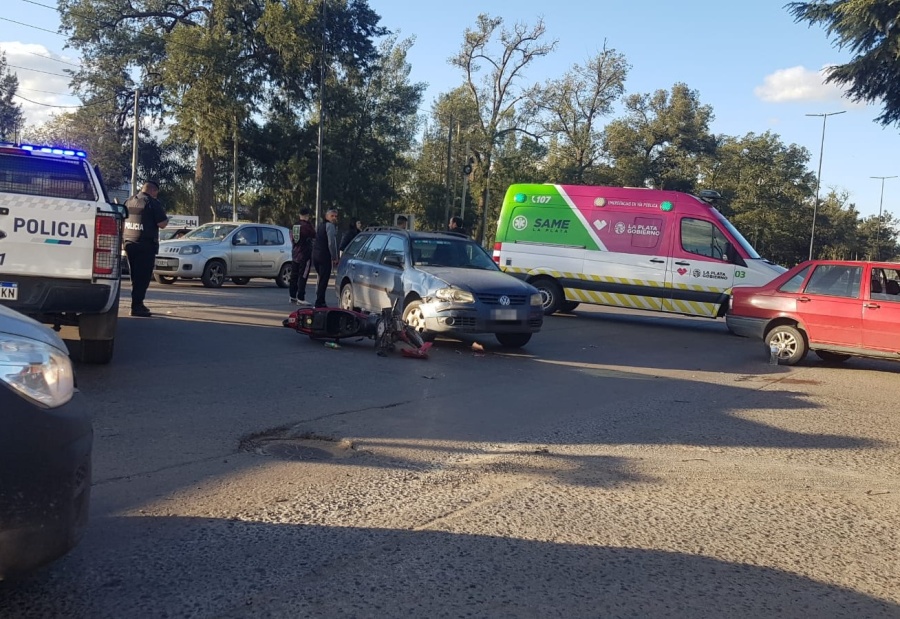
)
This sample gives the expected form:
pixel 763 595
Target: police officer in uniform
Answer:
pixel 145 217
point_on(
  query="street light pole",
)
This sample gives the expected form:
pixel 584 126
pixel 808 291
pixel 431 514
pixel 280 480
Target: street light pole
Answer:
pixel 880 203
pixel 812 236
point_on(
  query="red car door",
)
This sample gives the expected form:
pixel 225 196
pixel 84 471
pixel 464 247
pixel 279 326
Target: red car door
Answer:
pixel 831 305
pixel 881 310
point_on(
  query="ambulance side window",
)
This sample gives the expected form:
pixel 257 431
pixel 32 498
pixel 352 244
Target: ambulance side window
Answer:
pixel 703 238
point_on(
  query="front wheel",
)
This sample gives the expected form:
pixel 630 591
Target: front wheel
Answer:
pixel 240 281
pixel 415 318
pixel 213 274
pixel 347 297
pixel 791 344
pixel 413 337
pixel 513 340
pixel 551 294
pixel 284 275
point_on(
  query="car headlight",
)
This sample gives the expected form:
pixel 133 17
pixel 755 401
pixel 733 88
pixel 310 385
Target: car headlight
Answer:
pixel 455 295
pixel 537 299
pixel 36 370
pixel 189 249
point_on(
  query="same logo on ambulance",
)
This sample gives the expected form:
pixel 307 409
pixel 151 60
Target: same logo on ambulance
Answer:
pixel 520 222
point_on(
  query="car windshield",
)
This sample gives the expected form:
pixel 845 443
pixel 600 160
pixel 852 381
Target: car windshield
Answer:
pixel 210 231
pixel 440 252
pixel 751 253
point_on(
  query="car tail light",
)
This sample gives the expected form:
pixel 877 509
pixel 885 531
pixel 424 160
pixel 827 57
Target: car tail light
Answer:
pixel 107 246
pixel 497 247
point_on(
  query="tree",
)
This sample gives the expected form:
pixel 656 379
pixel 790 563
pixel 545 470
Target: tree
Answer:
pixel 495 94
pixel 869 29
pixel 661 140
pixel 11 116
pixel 208 66
pixel 570 108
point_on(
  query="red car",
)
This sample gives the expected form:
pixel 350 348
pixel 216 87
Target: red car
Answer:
pixel 837 308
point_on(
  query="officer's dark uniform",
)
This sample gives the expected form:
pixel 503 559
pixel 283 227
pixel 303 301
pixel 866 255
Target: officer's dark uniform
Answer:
pixel 141 238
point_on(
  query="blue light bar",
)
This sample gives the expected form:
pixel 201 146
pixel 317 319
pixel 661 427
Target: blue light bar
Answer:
pixel 52 150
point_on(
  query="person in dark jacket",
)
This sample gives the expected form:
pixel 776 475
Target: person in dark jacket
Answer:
pixel 325 254
pixel 352 230
pixel 457 225
pixel 303 236
pixel 141 238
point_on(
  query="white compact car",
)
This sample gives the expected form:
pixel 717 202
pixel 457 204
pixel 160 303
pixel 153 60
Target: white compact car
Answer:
pixel 218 251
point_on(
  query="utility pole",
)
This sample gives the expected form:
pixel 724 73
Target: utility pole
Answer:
pixel 321 120
pixel 234 199
pixel 134 142
pixel 812 236
pixel 878 229
pixel 449 168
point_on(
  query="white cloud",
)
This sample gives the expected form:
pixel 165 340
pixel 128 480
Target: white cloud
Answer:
pixel 41 80
pixel 798 84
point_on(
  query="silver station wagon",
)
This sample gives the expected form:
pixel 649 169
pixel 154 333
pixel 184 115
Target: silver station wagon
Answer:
pixel 219 251
pixel 446 283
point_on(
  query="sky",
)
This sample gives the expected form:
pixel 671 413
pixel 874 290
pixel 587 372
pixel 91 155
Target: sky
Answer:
pixel 758 69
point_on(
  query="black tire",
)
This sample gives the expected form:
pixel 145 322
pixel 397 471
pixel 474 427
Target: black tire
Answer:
pixel 214 274
pixel 567 307
pixel 513 340
pixel 99 352
pixel 413 337
pixel 164 279
pixel 413 316
pixel 551 294
pixel 831 357
pixel 791 343
pixel 240 281
pixel 284 275
pixel 347 301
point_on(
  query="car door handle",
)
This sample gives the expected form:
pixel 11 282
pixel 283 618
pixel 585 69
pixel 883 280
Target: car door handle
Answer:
pixel 804 299
pixel 871 306
pixel 256 251
pixel 657 260
pixel 683 264
pixel 375 273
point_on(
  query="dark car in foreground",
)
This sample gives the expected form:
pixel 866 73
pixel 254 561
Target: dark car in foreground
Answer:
pixel 838 309
pixel 45 448
pixel 445 282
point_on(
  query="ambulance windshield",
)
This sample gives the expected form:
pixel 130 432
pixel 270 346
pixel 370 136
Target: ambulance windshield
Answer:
pixel 747 247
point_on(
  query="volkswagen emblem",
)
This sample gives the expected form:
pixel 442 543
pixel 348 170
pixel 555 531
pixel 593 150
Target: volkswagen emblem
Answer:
pixel 504 300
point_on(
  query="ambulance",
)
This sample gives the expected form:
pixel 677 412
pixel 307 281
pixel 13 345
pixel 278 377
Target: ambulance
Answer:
pixel 647 249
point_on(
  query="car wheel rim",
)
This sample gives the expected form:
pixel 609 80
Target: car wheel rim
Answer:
pixel 286 276
pixel 546 298
pixel 786 343
pixel 216 275
pixel 416 319
pixel 346 298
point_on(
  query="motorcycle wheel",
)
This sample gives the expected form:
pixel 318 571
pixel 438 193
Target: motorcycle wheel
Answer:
pixel 413 337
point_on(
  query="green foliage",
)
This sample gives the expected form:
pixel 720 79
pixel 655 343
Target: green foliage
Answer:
pixel 11 117
pixel 868 28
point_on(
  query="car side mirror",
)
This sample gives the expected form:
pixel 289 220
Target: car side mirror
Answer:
pixel 732 255
pixel 394 260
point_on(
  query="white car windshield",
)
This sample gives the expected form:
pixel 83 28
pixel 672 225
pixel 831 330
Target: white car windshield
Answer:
pixel 438 252
pixel 210 231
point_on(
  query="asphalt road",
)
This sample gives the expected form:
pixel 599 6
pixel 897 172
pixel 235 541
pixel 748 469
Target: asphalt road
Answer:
pixel 621 465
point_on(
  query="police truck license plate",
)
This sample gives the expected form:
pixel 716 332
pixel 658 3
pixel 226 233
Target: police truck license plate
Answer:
pixel 9 291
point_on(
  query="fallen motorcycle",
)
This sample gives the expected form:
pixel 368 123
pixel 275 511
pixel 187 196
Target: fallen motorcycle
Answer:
pixel 334 324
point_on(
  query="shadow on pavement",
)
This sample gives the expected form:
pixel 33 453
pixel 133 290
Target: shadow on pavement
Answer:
pixel 186 567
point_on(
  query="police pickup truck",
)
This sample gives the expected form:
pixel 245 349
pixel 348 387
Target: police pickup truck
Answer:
pixel 60 240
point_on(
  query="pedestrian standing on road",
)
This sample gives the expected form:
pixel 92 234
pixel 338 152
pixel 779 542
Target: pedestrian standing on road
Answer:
pixel 354 229
pixel 141 237
pixel 402 222
pixel 325 253
pixel 303 236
